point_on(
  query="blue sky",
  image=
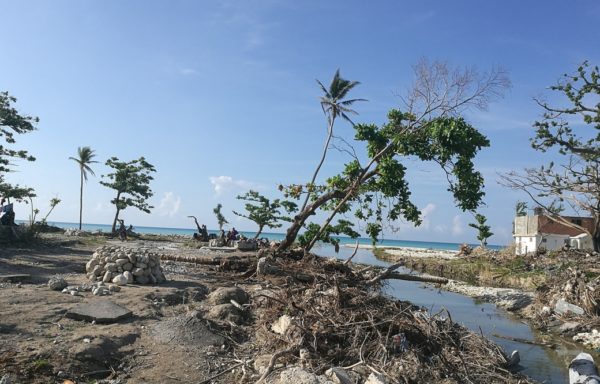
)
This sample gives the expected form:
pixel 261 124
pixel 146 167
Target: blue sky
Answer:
pixel 220 96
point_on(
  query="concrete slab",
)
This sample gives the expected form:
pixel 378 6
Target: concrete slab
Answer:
pixel 102 311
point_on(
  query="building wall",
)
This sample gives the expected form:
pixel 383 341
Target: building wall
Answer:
pixel 526 225
pixel 526 244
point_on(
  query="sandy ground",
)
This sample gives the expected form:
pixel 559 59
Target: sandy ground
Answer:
pixel 38 344
pixel 412 252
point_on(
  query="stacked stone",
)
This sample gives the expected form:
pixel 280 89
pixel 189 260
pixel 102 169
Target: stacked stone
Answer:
pixel 121 266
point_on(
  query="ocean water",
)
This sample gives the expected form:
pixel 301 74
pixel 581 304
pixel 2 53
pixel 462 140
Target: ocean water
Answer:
pixel 272 236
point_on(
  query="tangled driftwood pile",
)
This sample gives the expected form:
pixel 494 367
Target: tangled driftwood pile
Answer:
pixel 325 314
pixel 122 265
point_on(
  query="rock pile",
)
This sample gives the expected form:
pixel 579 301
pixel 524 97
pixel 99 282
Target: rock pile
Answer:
pixel 121 266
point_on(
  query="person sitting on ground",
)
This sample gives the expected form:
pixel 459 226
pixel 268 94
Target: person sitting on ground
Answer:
pixel 204 233
pixel 234 233
pixel 7 215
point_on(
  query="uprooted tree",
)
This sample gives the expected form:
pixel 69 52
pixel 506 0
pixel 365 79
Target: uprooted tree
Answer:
pixel 131 180
pixel 574 132
pixel 13 123
pixel 264 212
pixel 431 129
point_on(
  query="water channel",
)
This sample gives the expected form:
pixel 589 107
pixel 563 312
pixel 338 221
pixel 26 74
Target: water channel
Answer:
pixel 543 364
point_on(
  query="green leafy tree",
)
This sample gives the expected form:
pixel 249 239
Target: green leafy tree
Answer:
pixel 574 131
pixel 483 230
pixel 13 123
pixel 430 129
pixel 220 218
pixel 334 105
pixel 264 212
pixel 83 160
pixel 131 180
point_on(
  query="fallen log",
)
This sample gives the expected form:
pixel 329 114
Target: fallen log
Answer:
pixel 206 260
pixel 423 278
pixel 388 271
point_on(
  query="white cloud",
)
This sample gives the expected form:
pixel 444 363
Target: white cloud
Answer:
pixel 458 227
pixel 227 183
pixel 169 205
pixel 187 71
pixel 426 216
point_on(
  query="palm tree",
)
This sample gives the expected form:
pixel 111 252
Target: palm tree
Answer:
pixel 333 105
pixel 84 159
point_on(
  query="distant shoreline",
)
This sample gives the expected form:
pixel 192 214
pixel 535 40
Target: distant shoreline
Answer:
pixel 364 243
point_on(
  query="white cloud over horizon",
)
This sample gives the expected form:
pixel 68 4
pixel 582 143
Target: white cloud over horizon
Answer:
pixel 169 204
pixel 458 228
pixel 223 184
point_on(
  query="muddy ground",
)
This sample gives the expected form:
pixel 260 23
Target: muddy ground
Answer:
pixel 175 335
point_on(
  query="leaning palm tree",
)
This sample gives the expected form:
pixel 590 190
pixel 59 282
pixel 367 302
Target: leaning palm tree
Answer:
pixel 84 159
pixel 333 105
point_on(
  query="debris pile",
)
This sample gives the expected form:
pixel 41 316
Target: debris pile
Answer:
pixel 121 265
pixel 339 318
pixel 572 292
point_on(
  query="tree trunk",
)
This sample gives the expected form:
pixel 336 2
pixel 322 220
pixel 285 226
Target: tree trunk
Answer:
pixel 301 217
pixel 80 199
pixel 312 181
pixel 260 229
pixel 114 225
pixel 596 234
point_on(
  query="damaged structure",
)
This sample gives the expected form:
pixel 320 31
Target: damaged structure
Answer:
pixel 540 232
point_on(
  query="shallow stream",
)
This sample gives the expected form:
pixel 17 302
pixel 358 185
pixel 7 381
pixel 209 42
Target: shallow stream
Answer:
pixel 541 363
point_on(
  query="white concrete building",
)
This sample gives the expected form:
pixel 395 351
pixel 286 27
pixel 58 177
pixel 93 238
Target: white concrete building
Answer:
pixel 537 232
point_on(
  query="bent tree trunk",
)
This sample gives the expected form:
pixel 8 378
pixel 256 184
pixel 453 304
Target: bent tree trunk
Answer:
pixel 301 217
pixel 314 177
pixel 114 224
pixel 260 229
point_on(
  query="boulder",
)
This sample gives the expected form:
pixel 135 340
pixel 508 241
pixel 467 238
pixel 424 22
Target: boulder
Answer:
pixel 120 279
pixel 57 283
pixel 562 307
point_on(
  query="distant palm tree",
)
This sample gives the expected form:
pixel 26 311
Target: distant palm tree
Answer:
pixel 84 159
pixel 333 106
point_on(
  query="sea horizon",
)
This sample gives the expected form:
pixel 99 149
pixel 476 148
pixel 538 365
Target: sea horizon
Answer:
pixel 272 236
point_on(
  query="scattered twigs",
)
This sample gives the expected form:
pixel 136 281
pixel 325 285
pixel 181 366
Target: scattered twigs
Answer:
pixel 222 373
pixel 353 254
pixel 273 361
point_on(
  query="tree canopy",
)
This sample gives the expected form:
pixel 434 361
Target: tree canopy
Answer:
pixel 131 180
pixel 264 212
pixel 430 128
pixel 84 158
pixel 483 230
pixel 13 123
pixel 574 132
